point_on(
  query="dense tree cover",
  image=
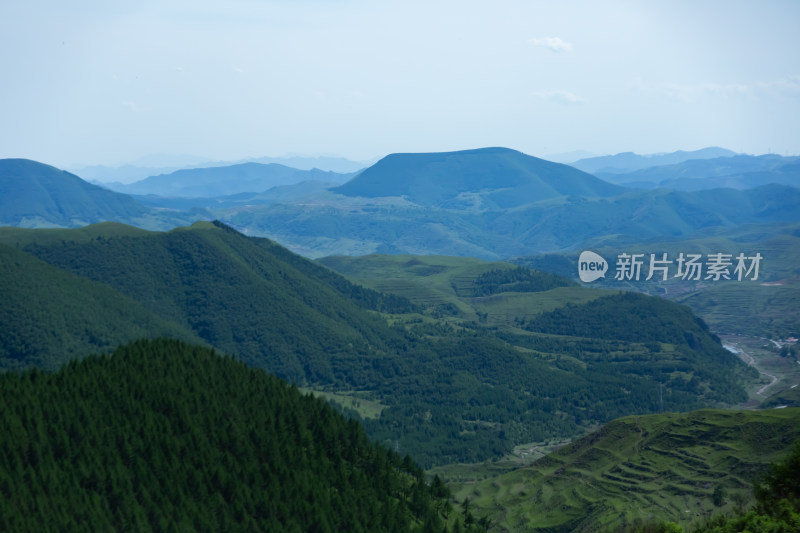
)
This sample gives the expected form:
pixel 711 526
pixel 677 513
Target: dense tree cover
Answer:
pixel 48 315
pixel 628 316
pixel 240 295
pixel 171 437
pixel 679 345
pixel 519 279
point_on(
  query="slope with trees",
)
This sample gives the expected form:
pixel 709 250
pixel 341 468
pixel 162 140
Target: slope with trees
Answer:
pixel 452 387
pixel 167 436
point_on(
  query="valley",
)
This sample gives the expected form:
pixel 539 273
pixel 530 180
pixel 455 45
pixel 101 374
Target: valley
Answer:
pixel 444 316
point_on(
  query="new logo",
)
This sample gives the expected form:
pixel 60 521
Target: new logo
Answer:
pixel 591 266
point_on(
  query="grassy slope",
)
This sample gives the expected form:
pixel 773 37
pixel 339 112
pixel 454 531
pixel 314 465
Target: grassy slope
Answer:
pixel 445 283
pixel 656 467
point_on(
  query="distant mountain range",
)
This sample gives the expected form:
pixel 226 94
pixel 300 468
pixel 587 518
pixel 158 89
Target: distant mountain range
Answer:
pixel 165 164
pixel 625 162
pixel 736 172
pixel 226 180
pixel 489 203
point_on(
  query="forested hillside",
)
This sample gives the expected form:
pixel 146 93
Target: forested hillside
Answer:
pixel 165 436
pixel 248 297
pixel 50 316
pixel 460 383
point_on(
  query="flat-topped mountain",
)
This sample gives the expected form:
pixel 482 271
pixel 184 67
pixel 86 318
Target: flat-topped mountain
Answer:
pixel 486 178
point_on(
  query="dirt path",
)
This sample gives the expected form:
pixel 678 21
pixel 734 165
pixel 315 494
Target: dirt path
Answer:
pixel 750 360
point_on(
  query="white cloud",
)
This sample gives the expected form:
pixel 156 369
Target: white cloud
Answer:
pixel 787 87
pixel 562 97
pixel 554 44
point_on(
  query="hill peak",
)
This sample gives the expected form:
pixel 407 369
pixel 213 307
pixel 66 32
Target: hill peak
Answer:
pixel 486 178
pixel 34 194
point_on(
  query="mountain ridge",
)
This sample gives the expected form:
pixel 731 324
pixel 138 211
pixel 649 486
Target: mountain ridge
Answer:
pixel 207 182
pixel 629 161
pixel 735 172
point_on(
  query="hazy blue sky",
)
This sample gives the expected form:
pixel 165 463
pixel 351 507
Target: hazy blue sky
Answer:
pixel 91 82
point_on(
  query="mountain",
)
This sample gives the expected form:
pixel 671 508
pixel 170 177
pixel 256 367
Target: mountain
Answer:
pixel 642 470
pixel 485 178
pixel 227 180
pixel 34 194
pixel 163 436
pixel 736 172
pixel 628 161
pixel 50 315
pixel 191 276
pixel 463 381
pixel 490 203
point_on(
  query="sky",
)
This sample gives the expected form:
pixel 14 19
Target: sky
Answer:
pixel 110 82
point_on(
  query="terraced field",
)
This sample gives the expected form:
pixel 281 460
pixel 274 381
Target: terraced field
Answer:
pixel 640 469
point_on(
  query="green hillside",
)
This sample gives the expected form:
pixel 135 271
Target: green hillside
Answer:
pixel 164 436
pixel 461 381
pixel 240 295
pixel 49 315
pixel 587 333
pixel 495 293
pixel 669 467
pixel 482 178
